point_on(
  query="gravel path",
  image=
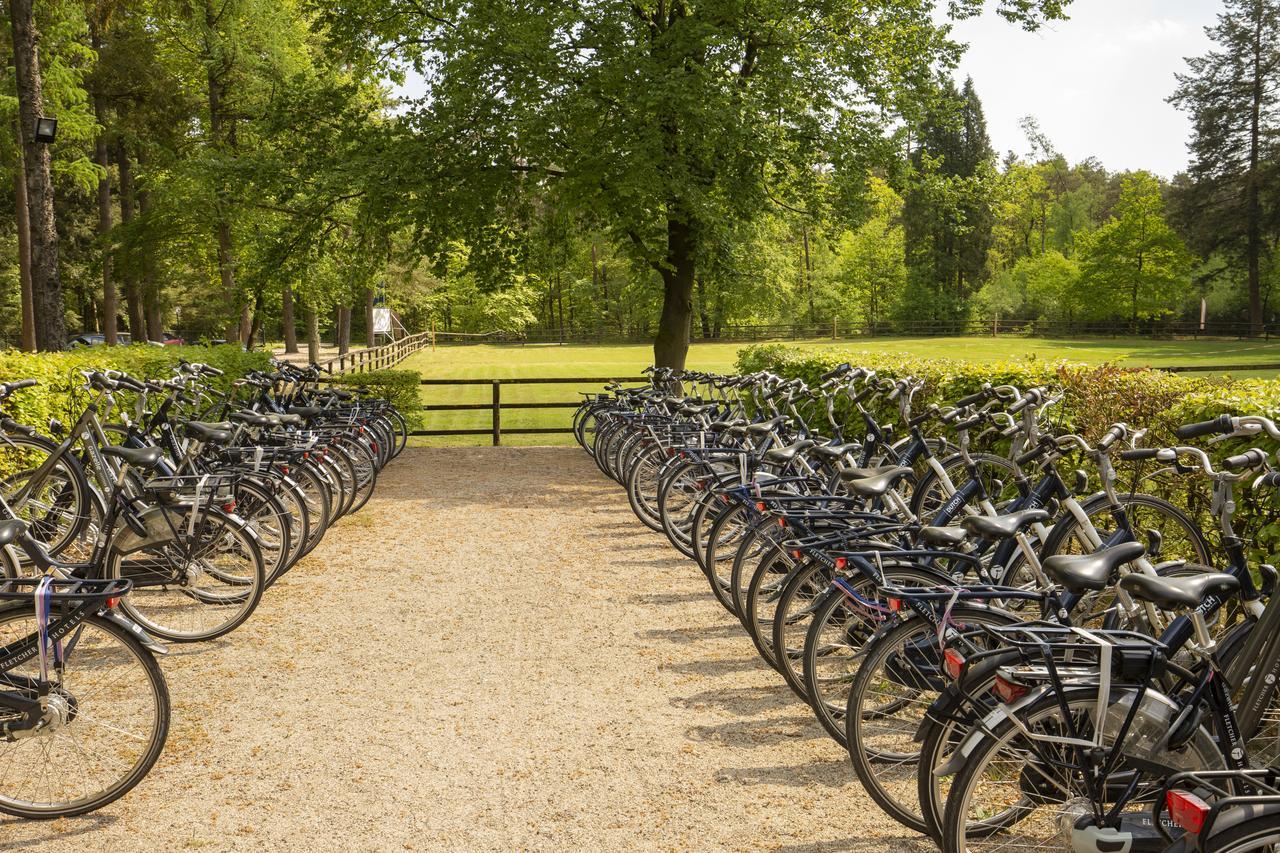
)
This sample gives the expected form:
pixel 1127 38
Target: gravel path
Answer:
pixel 494 654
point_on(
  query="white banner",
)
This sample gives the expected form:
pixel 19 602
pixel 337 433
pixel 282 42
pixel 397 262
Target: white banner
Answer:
pixel 382 321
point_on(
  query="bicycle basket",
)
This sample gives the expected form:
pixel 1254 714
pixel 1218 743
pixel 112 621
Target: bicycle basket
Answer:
pixel 193 489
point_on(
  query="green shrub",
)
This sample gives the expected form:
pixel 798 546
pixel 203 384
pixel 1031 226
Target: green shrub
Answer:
pixel 398 386
pixel 58 373
pixel 1095 396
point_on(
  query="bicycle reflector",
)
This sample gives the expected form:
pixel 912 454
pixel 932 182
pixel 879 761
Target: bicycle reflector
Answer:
pixel 114 600
pixel 895 605
pixel 1187 810
pixel 795 552
pixel 759 505
pixel 782 522
pixel 953 662
pixel 1009 691
pixel 841 562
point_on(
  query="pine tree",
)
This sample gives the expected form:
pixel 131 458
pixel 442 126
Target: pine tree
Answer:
pixel 948 215
pixel 1233 95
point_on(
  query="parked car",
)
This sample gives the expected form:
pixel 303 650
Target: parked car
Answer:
pixel 95 339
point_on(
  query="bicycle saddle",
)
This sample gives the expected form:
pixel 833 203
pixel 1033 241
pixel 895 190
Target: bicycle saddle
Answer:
pixel 1174 593
pixel 1080 573
pixel 836 451
pixel 767 426
pixel 252 418
pixel 1003 526
pixel 289 420
pixel 943 537
pixel 721 426
pixel 305 411
pixel 10 530
pixel 784 455
pixel 874 482
pixel 136 457
pixel 692 410
pixel 214 433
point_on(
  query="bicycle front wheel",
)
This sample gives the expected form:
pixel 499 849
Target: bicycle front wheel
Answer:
pixel 106 723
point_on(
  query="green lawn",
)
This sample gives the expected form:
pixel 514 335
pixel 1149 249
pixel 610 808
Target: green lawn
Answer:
pixel 489 361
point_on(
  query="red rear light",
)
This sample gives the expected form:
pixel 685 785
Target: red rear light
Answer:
pixel 1187 810
pixel 115 600
pixel 895 605
pixel 1008 691
pixel 760 505
pixel 841 562
pixel 953 661
pixel 229 506
pixel 782 522
pixel 795 552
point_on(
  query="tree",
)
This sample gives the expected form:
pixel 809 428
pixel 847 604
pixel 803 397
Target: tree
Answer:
pixel 949 215
pixel 870 260
pixel 1233 96
pixel 666 119
pixel 1136 257
pixel 46 281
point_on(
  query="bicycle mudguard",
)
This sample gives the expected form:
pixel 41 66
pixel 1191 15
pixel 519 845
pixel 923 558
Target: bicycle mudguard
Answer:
pixel 960 757
pixel 149 642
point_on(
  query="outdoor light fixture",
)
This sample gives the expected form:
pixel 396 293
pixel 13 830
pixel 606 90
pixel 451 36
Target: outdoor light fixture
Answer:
pixel 46 129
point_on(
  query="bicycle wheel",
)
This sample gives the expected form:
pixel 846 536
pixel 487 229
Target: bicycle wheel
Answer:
pixel 722 545
pixel 1017 791
pixel 997 474
pixel 106 723
pixel 839 628
pixel 899 678
pixel 365 468
pixel 315 493
pixel 189 586
pixel 265 514
pixel 55 507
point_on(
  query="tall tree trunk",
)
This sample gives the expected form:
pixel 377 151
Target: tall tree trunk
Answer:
pixel 671 345
pixel 1253 189
pixel 24 251
pixel 369 339
pixel 218 138
pixel 286 318
pixel 344 330
pixel 132 292
pixel 102 157
pixel 808 277
pixel 313 335
pixel 560 304
pixel 704 315
pixel 255 323
pixel 48 309
pixel 149 285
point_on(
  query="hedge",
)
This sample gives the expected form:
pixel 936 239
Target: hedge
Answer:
pixel 398 386
pixel 57 373
pixel 1095 396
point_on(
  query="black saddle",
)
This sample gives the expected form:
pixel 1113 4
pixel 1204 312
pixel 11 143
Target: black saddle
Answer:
pixel 305 411
pixel 1091 572
pixel 145 458
pixel 1174 593
pixel 10 530
pixel 785 455
pixel 874 482
pixel 767 426
pixel 252 418
pixel 1003 526
pixel 722 426
pixel 210 433
pixel 836 451
pixel 943 537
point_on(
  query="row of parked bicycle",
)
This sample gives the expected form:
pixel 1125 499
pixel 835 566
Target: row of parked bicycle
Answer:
pixel 161 515
pixel 1016 653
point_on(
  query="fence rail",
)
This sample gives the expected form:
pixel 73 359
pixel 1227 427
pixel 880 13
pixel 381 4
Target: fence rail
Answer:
pixel 377 358
pixel 495 406
pixel 843 330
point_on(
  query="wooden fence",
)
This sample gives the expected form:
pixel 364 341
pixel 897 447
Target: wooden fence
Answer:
pixel 495 406
pixel 379 357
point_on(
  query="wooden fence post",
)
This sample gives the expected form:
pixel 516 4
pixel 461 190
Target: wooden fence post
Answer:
pixel 497 412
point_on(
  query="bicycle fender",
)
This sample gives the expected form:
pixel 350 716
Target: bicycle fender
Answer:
pixel 149 642
pixel 960 757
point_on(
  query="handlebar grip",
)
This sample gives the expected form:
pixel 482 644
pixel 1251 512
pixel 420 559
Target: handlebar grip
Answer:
pixel 925 417
pixel 1141 453
pixel 838 370
pixel 130 383
pixel 1031 455
pixel 1271 479
pixel 1218 426
pixel 969 424
pixel 212 371
pixel 1249 459
pixel 1019 405
pixel 977 397
pixel 1113 435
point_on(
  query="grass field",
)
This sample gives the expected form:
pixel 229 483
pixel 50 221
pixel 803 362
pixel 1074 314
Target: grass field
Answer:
pixel 486 361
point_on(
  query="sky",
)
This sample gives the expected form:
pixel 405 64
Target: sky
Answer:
pixel 1096 83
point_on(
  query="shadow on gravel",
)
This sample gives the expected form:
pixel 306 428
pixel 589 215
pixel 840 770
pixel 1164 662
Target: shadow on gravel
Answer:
pixel 758 732
pixel 664 597
pixel 906 843
pixel 67 829
pixel 741 701
pixel 830 774
pixel 714 668
pixel 692 635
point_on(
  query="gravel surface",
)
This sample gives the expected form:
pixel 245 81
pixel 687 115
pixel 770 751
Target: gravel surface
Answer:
pixel 494 654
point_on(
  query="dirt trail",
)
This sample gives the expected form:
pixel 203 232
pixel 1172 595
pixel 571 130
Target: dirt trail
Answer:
pixel 494 654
